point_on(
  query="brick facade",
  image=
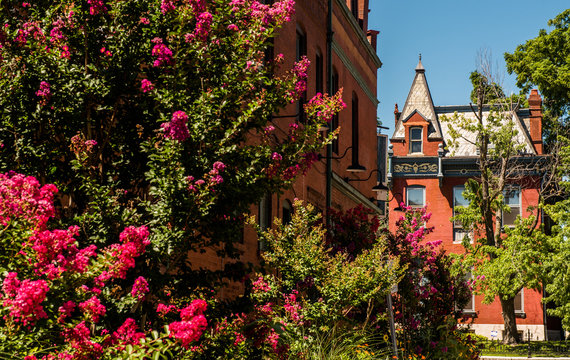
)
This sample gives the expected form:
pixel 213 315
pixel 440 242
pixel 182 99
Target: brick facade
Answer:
pixel 355 66
pixel 438 172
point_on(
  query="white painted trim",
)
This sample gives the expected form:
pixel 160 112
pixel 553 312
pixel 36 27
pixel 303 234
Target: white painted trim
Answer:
pixel 356 196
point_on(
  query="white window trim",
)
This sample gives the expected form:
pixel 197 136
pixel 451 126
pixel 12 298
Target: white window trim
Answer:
pixel 421 140
pixel 511 188
pixel 423 194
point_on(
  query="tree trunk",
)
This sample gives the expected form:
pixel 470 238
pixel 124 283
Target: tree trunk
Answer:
pixel 511 335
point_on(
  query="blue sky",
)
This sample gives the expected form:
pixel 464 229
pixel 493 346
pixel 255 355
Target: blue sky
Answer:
pixel 449 35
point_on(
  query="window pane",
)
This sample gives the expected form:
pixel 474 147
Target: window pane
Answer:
pixel 509 218
pixel 416 134
pixel 512 197
pixel 415 197
pixel 416 146
pixel 458 199
pixel 519 302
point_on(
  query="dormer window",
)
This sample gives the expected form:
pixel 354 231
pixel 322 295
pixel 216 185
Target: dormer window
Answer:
pixel 416 140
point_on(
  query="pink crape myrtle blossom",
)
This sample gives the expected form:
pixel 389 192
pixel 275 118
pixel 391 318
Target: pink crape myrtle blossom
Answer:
pixel 146 85
pixel 22 198
pixel 260 285
pixel 324 107
pixel 162 53
pixel 23 298
pixel 300 74
pixel 167 6
pixel 176 129
pixel 203 25
pixel 128 334
pixel 140 288
pixel 93 309
pixel 97 7
pixel 79 338
pixel 56 252
pixel 121 257
pixel 192 325
pixel 44 93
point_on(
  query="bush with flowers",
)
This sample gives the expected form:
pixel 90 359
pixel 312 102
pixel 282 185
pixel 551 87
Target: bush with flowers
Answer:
pixel 154 112
pixel 429 294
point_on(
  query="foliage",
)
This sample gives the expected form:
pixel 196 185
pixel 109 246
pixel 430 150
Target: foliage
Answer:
pixel 491 90
pixel 331 287
pixel 428 294
pixel 352 231
pixel 542 62
pixel 503 259
pixel 58 298
pixel 144 112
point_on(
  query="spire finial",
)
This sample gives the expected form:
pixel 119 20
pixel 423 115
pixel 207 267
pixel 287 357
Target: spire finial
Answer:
pixel 420 67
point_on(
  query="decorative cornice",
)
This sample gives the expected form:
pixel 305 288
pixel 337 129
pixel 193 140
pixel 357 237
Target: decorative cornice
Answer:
pixel 353 194
pixel 359 79
pixel 359 32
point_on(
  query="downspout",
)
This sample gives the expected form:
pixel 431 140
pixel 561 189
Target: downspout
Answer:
pixel 329 90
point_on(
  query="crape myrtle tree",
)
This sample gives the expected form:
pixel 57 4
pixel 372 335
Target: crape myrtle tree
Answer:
pixel 153 113
pixel 503 259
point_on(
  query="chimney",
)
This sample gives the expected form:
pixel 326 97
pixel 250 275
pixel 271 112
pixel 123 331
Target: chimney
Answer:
pixel 396 113
pixel 372 36
pixel 535 107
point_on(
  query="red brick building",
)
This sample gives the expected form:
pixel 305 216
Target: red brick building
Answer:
pixel 423 173
pixel 354 69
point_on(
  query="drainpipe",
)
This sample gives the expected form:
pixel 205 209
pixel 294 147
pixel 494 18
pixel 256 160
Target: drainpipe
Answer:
pixel 329 90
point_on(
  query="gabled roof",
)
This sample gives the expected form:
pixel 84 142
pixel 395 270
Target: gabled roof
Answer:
pixel 419 99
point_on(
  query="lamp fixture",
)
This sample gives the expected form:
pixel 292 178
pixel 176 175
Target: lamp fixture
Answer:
pixel 380 189
pixel 356 168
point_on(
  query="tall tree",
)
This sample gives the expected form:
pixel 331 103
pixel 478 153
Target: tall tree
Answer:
pixel 499 255
pixel 543 62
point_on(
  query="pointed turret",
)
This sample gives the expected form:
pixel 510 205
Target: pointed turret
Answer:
pixel 419 100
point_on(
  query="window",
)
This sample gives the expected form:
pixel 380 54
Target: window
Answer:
pixel 354 8
pixel 469 307
pixel 513 200
pixel 459 202
pixel 415 196
pixel 519 302
pixel 416 140
pixel 287 212
pixel 355 134
pixel 319 73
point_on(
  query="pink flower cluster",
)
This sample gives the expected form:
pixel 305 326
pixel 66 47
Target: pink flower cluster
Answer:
pixel 324 107
pixel 56 251
pixel 44 93
pixel 162 53
pixel 140 288
pixel 192 325
pixel 203 25
pixel 146 85
pixel 128 334
pixel 121 257
pixel 97 7
pixel 65 310
pixel 93 309
pixel 79 338
pixel 302 167
pixel 29 28
pixel 214 175
pixel 163 309
pixel 166 6
pixel 281 11
pixel 293 308
pixel 260 285
pixel 22 198
pixel 23 298
pixel 176 129
pixel 300 74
